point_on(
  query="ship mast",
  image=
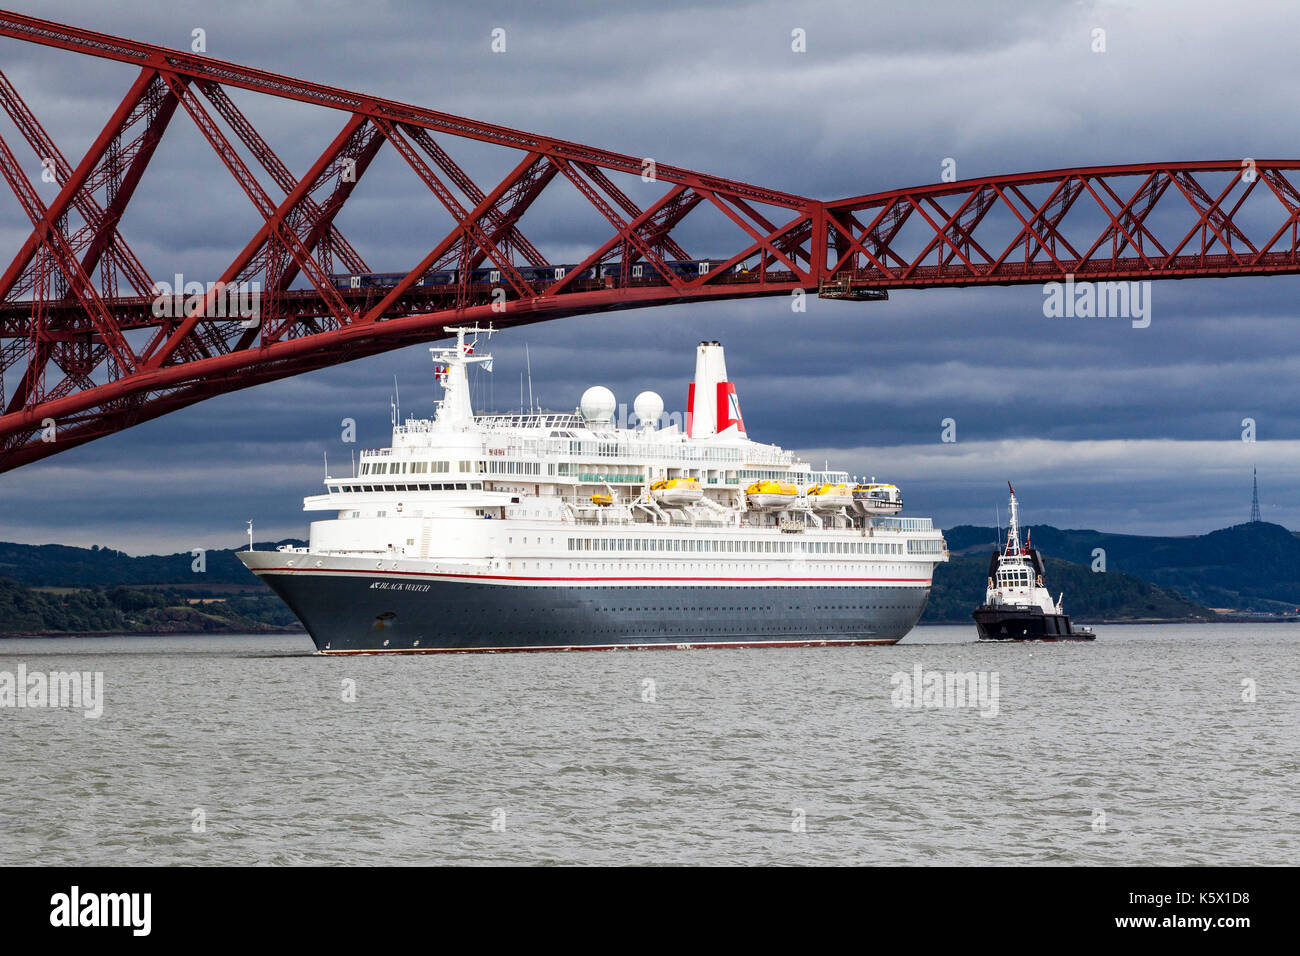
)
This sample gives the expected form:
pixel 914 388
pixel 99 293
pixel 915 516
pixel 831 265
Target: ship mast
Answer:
pixel 1013 532
pixel 455 410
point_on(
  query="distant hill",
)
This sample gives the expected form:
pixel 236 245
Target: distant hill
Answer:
pixel 122 610
pixel 57 565
pixel 959 587
pixel 1253 566
pixel 54 589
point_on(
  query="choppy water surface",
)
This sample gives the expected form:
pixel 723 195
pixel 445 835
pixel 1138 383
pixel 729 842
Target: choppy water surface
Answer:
pixel 1136 749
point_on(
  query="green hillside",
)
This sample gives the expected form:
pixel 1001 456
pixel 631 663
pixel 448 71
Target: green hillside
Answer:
pixel 53 588
pixel 57 565
pixel 122 610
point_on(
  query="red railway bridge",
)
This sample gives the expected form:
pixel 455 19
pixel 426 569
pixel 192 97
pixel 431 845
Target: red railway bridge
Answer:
pixel 85 352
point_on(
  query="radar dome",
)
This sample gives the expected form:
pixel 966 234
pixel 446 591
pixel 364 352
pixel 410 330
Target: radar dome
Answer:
pixel 648 406
pixel 598 405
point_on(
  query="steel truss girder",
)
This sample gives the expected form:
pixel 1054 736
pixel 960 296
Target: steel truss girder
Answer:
pixel 995 230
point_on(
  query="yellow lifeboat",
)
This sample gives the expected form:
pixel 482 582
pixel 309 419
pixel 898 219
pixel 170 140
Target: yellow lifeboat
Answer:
pixel 602 499
pixel 771 495
pixel 676 491
pixel 877 499
pixel 829 497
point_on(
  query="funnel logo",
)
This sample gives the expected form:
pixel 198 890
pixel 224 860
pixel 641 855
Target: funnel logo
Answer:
pixel 729 408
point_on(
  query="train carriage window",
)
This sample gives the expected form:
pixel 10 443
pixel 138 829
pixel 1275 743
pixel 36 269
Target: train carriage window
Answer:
pixel 704 268
pixel 559 272
pixel 354 282
pixel 637 271
pixel 494 275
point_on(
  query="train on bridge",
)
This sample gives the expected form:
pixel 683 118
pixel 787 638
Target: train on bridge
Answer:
pixel 683 268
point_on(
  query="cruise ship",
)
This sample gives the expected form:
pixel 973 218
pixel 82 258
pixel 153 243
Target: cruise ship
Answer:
pixel 574 531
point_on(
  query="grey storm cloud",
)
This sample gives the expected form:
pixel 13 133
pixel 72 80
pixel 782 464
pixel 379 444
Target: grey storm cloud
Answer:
pixel 1115 427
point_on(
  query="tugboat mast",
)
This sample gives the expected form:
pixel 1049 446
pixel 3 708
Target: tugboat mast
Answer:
pixel 1013 533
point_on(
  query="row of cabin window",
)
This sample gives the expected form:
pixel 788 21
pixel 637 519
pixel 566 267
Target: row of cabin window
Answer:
pixel 442 467
pixel 445 486
pixel 801 478
pixel 416 467
pixel 533 468
pixel 724 545
pixel 924 546
pixel 514 467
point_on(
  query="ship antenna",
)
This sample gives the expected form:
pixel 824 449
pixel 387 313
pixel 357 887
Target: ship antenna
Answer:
pixel 528 360
pixel 397 407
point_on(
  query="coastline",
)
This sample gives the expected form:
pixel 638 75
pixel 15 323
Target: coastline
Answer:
pixel 1225 619
pixel 270 629
pixel 161 632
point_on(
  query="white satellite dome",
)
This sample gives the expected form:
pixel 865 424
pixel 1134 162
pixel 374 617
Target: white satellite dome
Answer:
pixel 648 406
pixel 598 405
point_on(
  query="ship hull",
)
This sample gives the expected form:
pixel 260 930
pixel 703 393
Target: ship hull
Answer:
pixel 1025 624
pixel 368 613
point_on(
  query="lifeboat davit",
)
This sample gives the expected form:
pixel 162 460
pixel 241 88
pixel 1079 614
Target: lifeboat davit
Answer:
pixel 677 491
pixel 771 495
pixel 877 499
pixel 830 497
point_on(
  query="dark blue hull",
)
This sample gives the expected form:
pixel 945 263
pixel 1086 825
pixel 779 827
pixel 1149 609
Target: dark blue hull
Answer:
pixel 347 613
pixel 1026 624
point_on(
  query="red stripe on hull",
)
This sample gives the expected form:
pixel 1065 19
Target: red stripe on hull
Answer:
pixel 615 647
pixel 524 577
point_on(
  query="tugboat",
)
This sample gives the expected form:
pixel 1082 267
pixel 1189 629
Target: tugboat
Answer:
pixel 1017 607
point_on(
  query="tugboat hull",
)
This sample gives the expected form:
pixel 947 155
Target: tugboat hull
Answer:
pixel 1009 623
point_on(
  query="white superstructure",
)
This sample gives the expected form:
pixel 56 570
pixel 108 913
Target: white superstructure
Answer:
pixel 548 531
pixel 569 494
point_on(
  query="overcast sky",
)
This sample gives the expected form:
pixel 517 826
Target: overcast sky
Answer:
pixel 1100 425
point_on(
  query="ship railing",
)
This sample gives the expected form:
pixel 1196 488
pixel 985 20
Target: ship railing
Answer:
pixel 529 420
pixel 589 519
pixel 615 447
pixel 573 449
pixel 902 524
